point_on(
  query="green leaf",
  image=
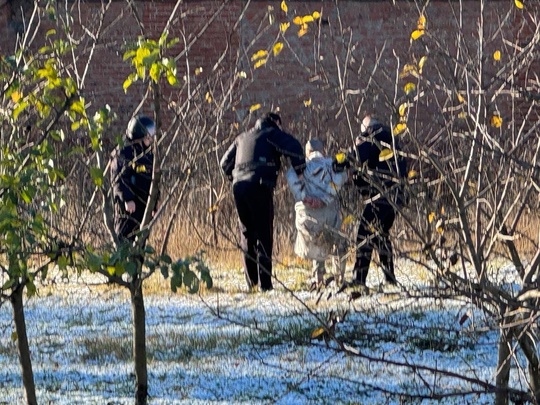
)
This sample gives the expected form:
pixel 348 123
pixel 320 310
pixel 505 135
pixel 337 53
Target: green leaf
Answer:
pixel 131 268
pixel 77 106
pixel 19 109
pixel 30 288
pixel 8 284
pixel 164 271
pixel 26 197
pixel 97 176
pixel 62 262
pixel 129 54
pixel 166 259
pixel 14 336
pixel 189 276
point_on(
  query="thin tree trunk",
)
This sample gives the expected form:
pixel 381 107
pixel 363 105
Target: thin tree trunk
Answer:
pixel 22 345
pixel 528 346
pixel 503 369
pixel 139 342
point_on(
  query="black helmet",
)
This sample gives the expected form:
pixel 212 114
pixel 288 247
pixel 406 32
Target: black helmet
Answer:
pixel 139 127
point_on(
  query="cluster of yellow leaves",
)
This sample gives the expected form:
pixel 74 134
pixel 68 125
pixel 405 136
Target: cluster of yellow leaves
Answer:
pixel 260 58
pixel 303 21
pixel 420 28
pixel 401 126
pixel 518 4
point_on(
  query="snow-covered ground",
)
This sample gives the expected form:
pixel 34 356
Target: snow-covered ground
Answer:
pixel 229 346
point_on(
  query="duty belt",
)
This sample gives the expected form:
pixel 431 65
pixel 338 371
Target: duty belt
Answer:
pixel 248 166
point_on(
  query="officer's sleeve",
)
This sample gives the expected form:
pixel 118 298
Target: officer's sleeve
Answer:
pixel 228 160
pixel 296 185
pixel 290 147
pixel 121 173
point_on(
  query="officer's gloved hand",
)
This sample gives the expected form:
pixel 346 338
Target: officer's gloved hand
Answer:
pixel 340 162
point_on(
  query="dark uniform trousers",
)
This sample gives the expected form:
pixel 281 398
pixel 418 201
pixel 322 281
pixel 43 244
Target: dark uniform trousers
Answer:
pixel 374 233
pixel 255 206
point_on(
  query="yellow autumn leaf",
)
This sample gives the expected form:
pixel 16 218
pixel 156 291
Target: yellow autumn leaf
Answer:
pixel 284 7
pixel 496 121
pixel 307 19
pixel 422 22
pixel 431 217
pixel 254 107
pixel 412 174
pixel 259 63
pixel 316 15
pixel 213 208
pixel 462 115
pixel 349 219
pixel 307 103
pixel 298 20
pixel 284 26
pixel 460 98
pixel 208 97
pixel 16 96
pixel 402 109
pixel 400 128
pixel 439 226
pixel 417 34
pixel 519 4
pixel 302 31
pixel 259 54
pixel 317 333
pixel 242 74
pixel 497 55
pixel 407 70
pixel 421 63
pixel 385 155
pixel 277 48
pixel 409 88
pixel 198 71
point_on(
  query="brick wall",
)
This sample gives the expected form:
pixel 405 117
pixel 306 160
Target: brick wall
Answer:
pixel 331 59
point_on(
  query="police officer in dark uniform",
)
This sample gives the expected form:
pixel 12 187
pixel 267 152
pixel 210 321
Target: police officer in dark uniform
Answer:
pixel 378 179
pixel 132 176
pixel 252 162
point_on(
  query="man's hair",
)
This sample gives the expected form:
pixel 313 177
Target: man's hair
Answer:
pixel 314 145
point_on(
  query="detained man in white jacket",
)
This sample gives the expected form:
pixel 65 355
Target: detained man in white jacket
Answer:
pixel 318 217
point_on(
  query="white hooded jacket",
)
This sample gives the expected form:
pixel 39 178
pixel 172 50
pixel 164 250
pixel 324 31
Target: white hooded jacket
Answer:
pixel 317 228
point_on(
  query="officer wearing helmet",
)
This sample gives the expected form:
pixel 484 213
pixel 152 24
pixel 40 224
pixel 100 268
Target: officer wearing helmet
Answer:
pixel 380 182
pixel 252 163
pixel 132 176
